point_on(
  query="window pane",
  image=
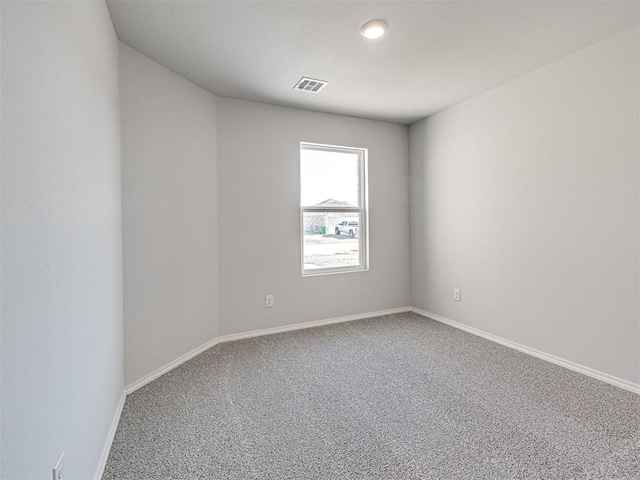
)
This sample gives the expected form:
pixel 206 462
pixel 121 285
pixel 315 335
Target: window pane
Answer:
pixel 331 240
pixel 329 178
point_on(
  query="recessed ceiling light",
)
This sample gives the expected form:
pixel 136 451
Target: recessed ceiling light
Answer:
pixel 374 29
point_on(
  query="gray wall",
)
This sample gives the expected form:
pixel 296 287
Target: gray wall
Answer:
pixel 62 372
pixel 259 215
pixel 526 198
pixel 2 439
pixel 170 224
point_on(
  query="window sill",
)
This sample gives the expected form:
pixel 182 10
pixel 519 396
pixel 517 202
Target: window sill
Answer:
pixel 333 271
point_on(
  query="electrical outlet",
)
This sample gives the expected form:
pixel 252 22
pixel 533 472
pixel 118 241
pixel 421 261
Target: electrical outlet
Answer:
pixel 58 470
pixel 268 301
pixel 457 295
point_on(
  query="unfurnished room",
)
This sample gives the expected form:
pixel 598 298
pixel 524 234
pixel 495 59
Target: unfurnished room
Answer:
pixel 313 239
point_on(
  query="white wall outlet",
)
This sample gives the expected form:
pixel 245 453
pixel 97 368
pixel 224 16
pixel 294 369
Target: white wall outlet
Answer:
pixel 268 301
pixel 457 295
pixel 58 470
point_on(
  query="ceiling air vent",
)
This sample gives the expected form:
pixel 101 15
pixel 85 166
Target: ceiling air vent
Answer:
pixel 310 85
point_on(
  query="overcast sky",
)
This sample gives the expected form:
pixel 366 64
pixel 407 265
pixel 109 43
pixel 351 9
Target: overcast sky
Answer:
pixel 327 175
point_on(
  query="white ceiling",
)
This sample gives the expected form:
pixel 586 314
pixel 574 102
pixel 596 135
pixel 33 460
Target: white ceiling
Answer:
pixel 436 54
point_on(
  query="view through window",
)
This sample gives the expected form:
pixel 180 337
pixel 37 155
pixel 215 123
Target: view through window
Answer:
pixel 333 208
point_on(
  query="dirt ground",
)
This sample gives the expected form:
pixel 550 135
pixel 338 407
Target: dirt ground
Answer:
pixel 330 250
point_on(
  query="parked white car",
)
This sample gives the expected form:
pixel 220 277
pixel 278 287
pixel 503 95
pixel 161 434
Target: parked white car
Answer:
pixel 350 227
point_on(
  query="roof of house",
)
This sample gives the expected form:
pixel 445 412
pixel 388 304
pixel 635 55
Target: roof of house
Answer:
pixel 330 202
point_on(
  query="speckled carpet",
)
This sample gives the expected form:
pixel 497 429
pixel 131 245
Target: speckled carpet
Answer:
pixel 395 397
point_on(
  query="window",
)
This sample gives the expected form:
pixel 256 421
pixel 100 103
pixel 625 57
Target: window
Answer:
pixel 333 209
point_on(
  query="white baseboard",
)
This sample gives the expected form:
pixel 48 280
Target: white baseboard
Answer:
pixel 255 333
pixel 590 372
pixel 109 440
pixel 132 387
pixel 318 323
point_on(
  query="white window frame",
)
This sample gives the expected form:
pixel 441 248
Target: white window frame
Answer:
pixel 362 209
